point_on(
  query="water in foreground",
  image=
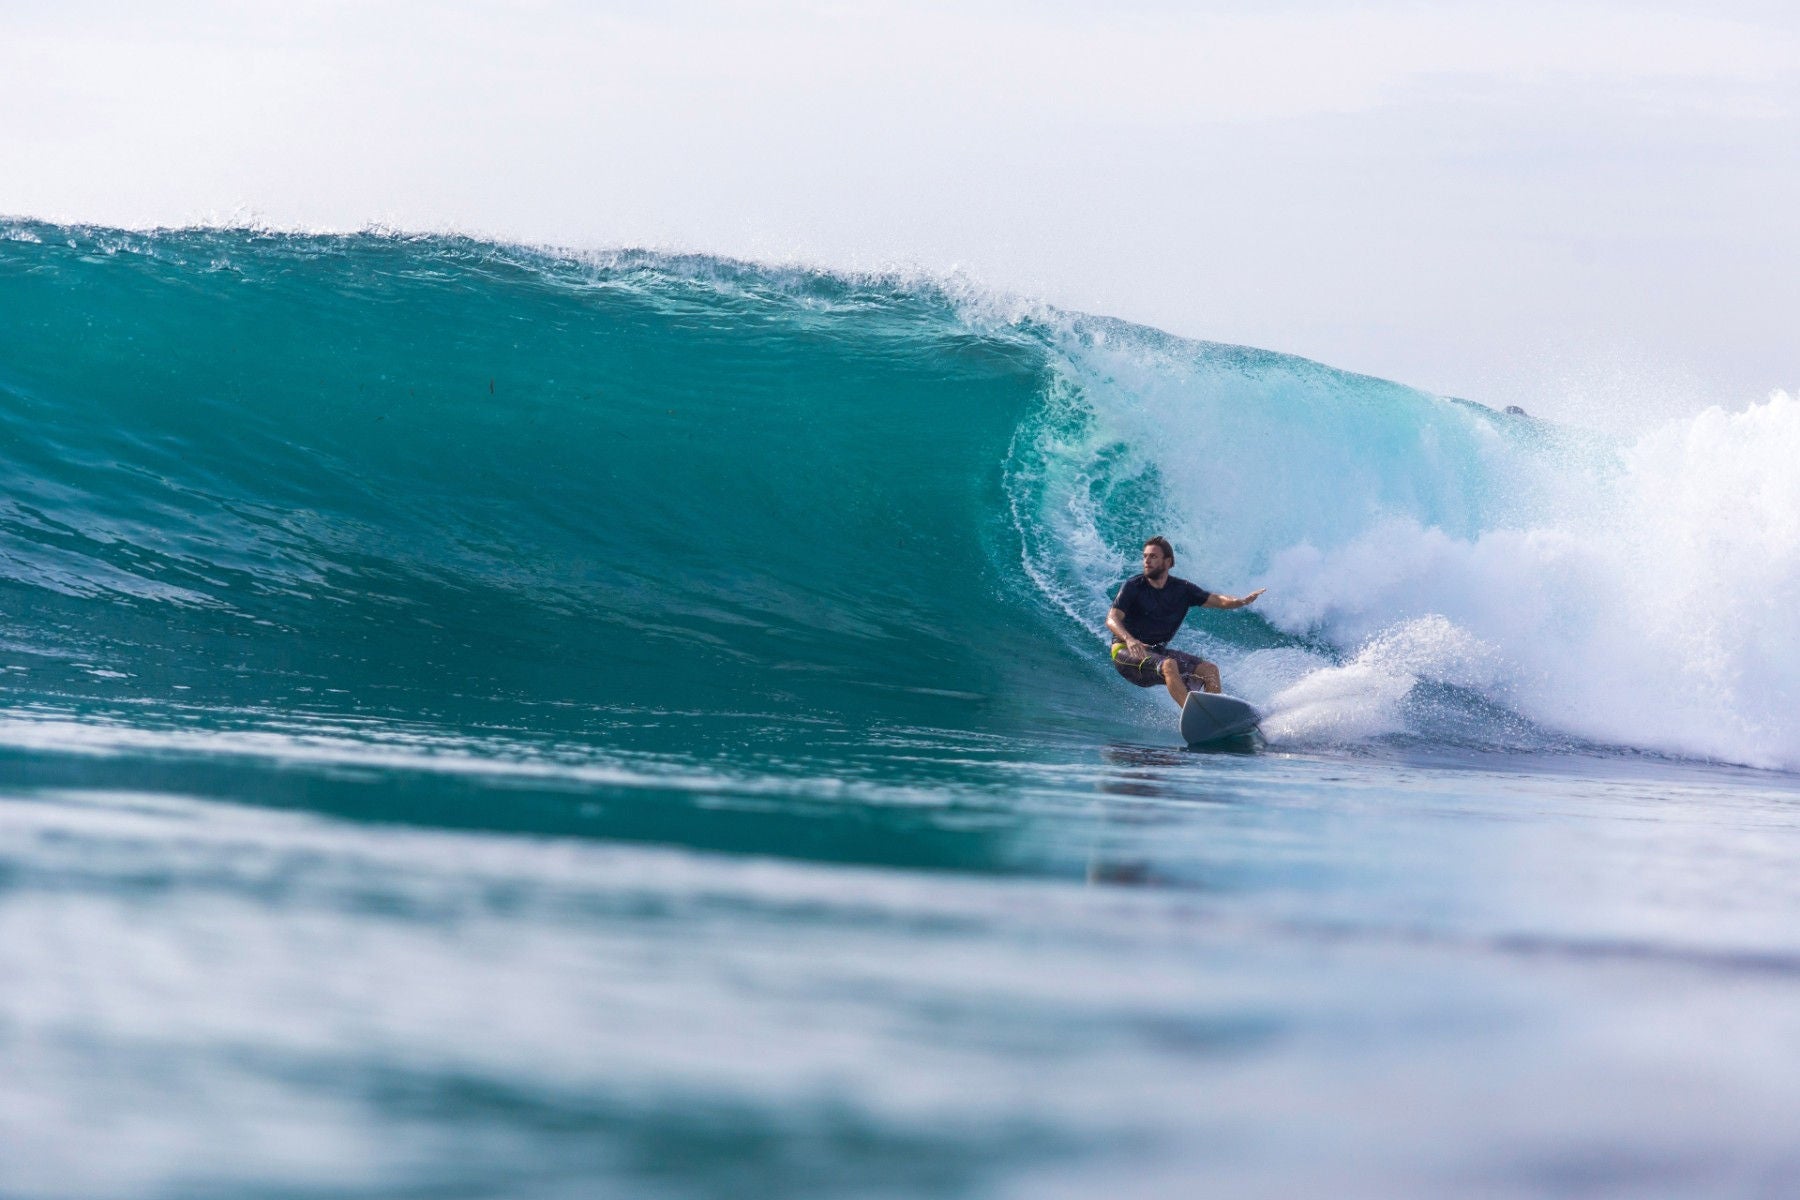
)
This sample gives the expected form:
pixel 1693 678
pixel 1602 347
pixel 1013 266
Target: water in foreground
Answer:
pixel 475 722
pixel 921 962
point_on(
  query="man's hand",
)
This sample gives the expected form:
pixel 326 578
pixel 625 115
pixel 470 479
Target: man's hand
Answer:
pixel 1115 624
pixel 1251 598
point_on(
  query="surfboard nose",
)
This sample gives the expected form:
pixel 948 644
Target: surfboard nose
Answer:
pixel 1209 718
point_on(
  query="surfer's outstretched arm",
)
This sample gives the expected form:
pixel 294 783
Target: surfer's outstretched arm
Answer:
pixel 1217 601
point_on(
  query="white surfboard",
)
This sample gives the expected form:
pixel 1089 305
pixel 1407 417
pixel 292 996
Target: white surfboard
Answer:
pixel 1208 718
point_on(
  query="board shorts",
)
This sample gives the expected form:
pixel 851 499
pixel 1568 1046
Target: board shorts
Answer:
pixel 1147 671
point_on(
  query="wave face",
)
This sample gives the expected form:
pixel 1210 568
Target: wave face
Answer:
pixel 446 479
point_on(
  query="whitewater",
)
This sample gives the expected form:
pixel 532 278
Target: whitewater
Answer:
pixel 505 720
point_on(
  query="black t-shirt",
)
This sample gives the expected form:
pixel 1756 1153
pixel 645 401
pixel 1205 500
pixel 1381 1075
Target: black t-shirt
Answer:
pixel 1153 614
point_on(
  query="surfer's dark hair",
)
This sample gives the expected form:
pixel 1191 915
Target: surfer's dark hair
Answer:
pixel 1162 543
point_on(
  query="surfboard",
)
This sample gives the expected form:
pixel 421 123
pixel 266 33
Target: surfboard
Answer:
pixel 1208 718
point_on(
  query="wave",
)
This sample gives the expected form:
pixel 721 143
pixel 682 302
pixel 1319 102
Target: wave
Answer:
pixel 447 479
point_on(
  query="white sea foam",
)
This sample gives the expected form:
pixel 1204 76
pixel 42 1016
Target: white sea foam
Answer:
pixel 1659 614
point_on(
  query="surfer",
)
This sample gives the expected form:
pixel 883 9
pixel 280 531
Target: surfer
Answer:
pixel 1145 615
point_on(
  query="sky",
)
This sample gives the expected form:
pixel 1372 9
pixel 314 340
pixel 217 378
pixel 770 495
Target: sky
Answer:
pixel 1591 210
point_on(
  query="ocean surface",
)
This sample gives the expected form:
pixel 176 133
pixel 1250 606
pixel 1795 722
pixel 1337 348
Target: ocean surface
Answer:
pixel 483 721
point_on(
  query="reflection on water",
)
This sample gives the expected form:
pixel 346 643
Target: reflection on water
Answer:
pixel 1122 828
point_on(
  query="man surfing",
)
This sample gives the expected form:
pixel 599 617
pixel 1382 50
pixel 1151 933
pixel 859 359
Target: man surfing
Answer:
pixel 1146 614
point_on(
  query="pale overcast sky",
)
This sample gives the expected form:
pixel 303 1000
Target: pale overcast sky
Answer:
pixel 1592 210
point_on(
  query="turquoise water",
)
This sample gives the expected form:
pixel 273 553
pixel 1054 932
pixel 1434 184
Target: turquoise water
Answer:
pixel 488 721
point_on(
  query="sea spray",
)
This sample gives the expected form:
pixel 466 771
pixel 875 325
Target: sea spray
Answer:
pixel 1657 613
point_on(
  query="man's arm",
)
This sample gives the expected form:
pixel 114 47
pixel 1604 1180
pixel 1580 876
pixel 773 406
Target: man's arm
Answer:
pixel 1217 601
pixel 1115 621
